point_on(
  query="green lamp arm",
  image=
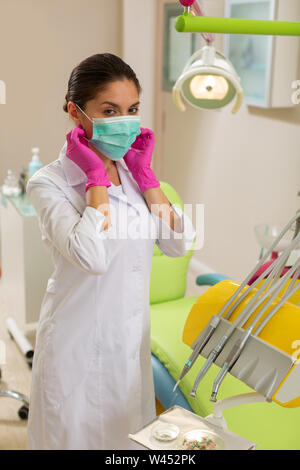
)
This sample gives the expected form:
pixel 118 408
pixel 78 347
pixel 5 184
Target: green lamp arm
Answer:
pixel 187 23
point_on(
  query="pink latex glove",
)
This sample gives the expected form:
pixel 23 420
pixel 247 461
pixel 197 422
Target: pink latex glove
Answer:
pixel 79 152
pixel 138 159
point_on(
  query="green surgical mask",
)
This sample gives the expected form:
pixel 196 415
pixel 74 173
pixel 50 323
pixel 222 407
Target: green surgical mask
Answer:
pixel 114 136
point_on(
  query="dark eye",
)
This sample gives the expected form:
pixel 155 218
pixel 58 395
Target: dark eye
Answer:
pixel 134 110
pixel 109 111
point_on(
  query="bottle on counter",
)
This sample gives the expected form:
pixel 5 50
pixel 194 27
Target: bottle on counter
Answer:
pixel 35 163
pixel 11 185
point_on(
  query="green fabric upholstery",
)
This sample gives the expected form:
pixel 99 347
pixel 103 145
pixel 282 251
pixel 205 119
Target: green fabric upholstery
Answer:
pixel 271 426
pixel 168 275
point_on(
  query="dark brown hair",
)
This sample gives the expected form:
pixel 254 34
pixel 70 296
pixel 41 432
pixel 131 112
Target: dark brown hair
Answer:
pixel 93 75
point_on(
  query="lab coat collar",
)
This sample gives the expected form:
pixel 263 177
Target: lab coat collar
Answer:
pixel 73 173
pixel 74 176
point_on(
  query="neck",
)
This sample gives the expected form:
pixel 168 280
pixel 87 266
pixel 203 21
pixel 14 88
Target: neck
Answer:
pixel 108 163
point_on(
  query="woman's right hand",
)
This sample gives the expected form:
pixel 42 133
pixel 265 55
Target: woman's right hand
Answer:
pixel 79 152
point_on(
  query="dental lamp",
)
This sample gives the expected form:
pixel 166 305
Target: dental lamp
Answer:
pixel 209 80
pixel 189 23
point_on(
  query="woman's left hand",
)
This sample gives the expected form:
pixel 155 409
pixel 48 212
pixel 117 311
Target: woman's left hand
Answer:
pixel 138 160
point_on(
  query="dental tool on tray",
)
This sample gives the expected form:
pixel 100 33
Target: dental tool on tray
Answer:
pixel 274 270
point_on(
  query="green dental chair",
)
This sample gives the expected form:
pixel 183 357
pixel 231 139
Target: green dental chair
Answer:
pixel 269 425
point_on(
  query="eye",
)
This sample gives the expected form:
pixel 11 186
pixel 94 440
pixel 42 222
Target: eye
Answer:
pixel 109 111
pixel 134 110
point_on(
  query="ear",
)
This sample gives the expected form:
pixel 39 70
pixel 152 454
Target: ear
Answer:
pixel 74 113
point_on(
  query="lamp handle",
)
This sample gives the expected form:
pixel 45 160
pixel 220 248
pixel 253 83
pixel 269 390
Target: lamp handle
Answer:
pixel 192 59
pixel 239 101
pixel 177 99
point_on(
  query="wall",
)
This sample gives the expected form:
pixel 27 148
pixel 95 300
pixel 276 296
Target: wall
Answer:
pixel 245 168
pixel 139 20
pixel 40 43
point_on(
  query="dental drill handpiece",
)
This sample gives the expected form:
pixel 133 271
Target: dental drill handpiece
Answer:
pixel 277 265
pixel 212 357
pixel 240 344
pixel 198 346
pixel 205 336
pixel 216 351
pixel 275 288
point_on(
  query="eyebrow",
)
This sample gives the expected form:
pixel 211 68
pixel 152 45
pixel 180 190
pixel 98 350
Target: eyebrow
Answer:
pixel 117 106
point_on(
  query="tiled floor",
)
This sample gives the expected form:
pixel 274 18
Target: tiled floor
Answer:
pixel 16 375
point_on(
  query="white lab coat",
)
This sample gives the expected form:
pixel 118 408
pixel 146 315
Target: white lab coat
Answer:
pixel 92 380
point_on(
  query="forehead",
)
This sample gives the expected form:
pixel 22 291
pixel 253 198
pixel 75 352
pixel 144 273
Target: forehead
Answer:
pixel 121 91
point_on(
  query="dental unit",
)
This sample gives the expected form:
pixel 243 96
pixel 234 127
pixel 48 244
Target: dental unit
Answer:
pixel 249 330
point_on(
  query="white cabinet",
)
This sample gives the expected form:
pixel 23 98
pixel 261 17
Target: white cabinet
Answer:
pixel 26 263
pixel 267 65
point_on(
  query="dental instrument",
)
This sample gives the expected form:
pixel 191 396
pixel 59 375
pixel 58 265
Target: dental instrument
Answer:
pixel 200 342
pixel 210 328
pixel 213 325
pixel 241 342
pixel 246 313
pixel 267 364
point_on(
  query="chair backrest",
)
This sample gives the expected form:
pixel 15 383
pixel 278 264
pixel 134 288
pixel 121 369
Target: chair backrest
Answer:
pixel 168 275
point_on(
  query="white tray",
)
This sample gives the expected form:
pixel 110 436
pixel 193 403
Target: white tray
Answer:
pixel 186 421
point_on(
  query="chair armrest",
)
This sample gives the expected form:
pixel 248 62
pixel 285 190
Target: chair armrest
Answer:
pixel 210 279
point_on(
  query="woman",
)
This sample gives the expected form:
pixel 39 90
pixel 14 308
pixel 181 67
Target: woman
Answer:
pixel 101 210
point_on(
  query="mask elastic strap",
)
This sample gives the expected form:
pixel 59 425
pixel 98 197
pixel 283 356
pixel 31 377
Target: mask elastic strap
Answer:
pixel 83 112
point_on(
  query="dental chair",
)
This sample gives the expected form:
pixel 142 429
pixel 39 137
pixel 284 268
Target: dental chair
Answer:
pixel 269 425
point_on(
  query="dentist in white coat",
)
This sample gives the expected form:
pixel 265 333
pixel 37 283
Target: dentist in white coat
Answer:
pixel 100 210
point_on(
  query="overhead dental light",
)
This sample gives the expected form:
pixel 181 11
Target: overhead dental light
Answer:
pixel 209 80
